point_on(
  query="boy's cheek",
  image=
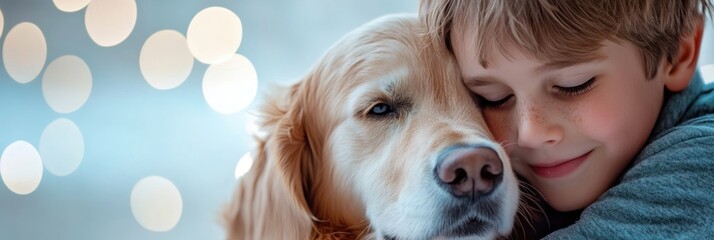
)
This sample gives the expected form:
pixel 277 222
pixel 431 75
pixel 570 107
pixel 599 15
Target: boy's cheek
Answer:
pixel 501 128
pixel 498 125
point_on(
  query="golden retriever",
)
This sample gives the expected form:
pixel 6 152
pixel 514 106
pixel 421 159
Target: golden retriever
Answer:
pixel 380 140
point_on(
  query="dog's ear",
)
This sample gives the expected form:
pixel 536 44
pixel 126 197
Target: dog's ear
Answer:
pixel 270 201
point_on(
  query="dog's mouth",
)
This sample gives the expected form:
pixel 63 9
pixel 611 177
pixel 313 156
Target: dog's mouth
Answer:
pixel 474 227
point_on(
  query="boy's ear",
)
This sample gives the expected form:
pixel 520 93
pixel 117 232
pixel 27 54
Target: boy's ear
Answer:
pixel 679 73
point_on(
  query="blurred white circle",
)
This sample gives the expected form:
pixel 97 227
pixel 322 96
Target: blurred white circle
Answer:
pixel 243 165
pixel 707 73
pixel 165 60
pixel 24 52
pixel 230 86
pixel 2 22
pixel 109 22
pixel 70 5
pixel 156 203
pixel 66 84
pixel 214 35
pixel 61 147
pixel 21 167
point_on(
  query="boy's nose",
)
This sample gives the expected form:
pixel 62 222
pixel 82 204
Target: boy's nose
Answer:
pixel 536 128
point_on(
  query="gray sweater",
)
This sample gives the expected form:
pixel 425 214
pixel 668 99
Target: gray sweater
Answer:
pixel 668 191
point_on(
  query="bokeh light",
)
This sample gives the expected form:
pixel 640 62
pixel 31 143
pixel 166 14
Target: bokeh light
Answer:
pixel 214 35
pixel 707 73
pixel 61 147
pixel 243 165
pixel 230 86
pixel 24 52
pixel 67 84
pixel 165 60
pixel 86 105
pixel 156 203
pixel 70 5
pixel 21 167
pixel 2 23
pixel 109 22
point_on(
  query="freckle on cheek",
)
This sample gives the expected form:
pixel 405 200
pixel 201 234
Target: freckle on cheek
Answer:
pixel 568 112
pixel 536 115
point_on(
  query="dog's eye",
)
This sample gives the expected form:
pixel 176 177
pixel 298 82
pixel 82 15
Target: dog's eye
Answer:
pixel 381 109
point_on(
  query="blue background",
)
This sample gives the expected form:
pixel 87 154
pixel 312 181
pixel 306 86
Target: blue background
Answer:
pixel 132 130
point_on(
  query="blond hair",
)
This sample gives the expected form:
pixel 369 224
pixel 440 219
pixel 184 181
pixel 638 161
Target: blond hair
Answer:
pixel 563 32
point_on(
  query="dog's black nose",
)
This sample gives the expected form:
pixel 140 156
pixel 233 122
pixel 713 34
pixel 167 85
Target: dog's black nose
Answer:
pixel 469 171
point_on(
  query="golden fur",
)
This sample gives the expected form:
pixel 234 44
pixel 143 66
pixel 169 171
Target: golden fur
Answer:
pixel 330 169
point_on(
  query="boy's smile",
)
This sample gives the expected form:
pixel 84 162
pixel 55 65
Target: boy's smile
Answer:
pixel 572 130
pixel 558 168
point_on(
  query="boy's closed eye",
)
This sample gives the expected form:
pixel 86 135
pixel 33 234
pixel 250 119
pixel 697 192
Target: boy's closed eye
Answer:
pixel 575 90
pixel 484 103
pixel 562 91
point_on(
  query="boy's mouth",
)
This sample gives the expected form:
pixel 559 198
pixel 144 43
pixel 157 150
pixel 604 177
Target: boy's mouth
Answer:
pixel 561 168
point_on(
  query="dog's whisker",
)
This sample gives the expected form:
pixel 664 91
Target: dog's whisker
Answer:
pixel 522 226
pixel 507 144
pixel 530 188
pixel 533 195
pixel 529 211
pixel 524 215
pixel 365 231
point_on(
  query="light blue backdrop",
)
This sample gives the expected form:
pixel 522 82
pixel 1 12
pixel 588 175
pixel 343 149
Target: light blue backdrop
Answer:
pixel 132 130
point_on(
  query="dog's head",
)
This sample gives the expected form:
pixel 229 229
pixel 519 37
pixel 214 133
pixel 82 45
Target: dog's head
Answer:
pixel 380 139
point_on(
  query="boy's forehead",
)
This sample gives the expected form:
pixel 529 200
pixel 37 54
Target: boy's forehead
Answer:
pixel 554 51
pixel 485 48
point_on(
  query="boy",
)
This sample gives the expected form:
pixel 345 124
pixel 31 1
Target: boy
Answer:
pixel 599 105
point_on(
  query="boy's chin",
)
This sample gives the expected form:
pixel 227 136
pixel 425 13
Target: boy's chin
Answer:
pixel 565 200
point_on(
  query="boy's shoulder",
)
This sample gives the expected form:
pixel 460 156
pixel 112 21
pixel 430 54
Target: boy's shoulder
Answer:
pixel 686 119
pixel 682 138
pixel 667 190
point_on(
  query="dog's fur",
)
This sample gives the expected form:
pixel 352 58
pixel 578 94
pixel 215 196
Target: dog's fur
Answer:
pixel 330 169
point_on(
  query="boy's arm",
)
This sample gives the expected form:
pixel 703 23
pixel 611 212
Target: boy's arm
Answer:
pixel 669 194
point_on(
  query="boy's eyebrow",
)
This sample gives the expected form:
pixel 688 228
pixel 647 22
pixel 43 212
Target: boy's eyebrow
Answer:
pixel 554 65
pixel 476 81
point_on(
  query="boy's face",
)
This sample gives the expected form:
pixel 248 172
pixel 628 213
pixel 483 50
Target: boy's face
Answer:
pixel 570 131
